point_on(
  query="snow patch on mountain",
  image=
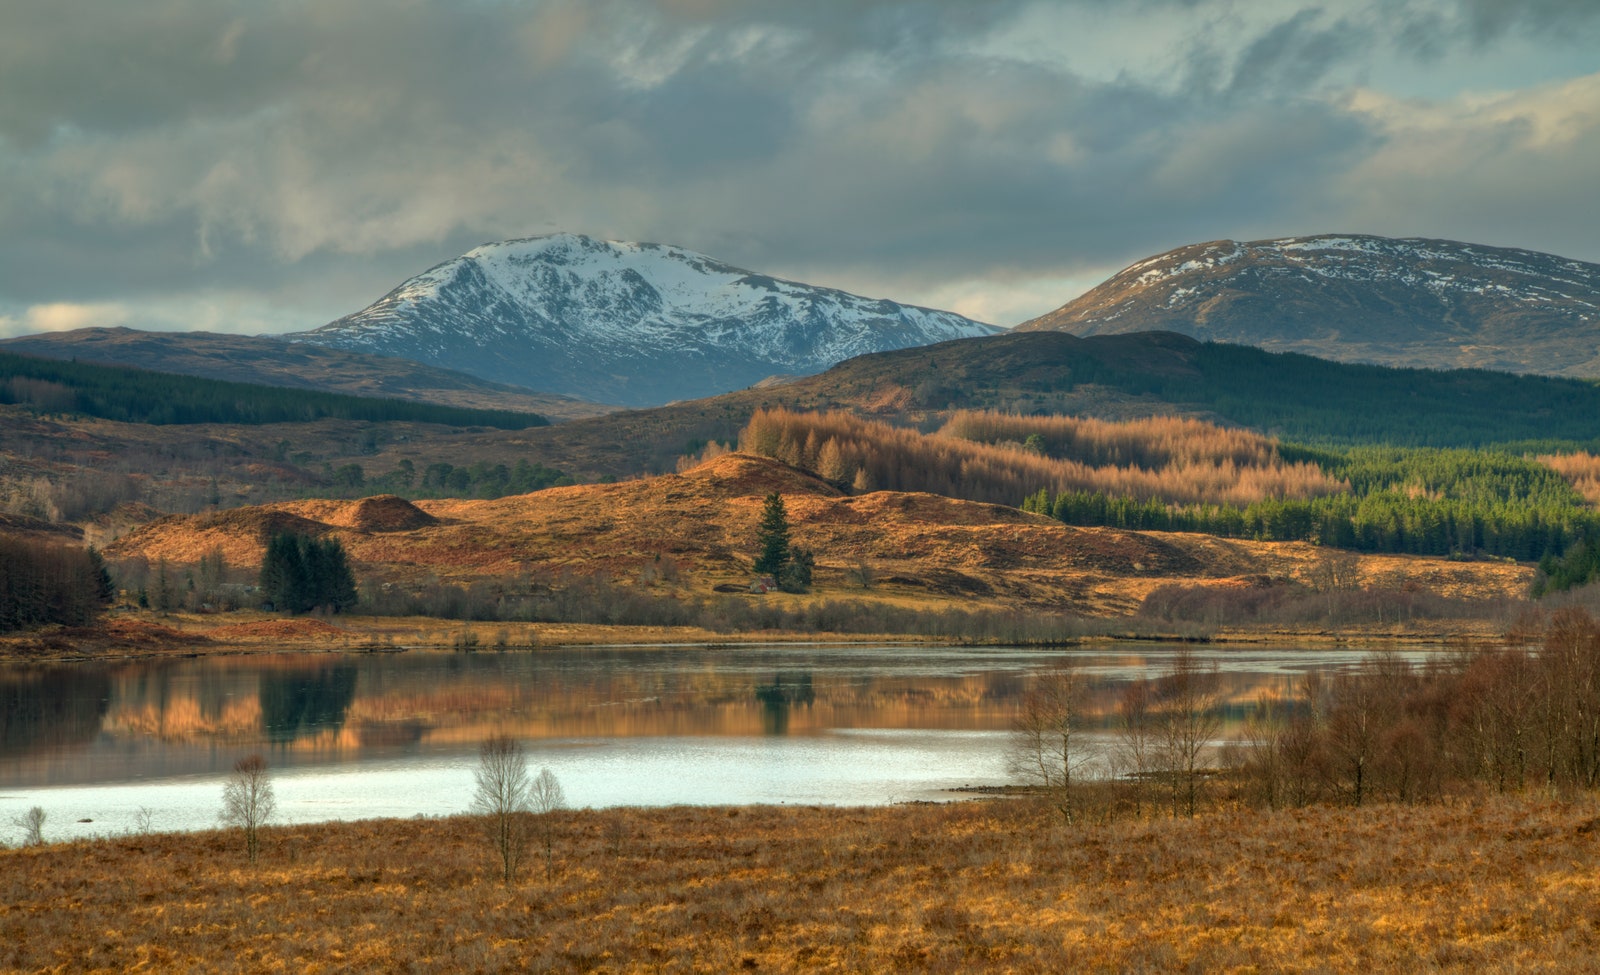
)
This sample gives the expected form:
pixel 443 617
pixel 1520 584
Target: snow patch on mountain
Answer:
pixel 1440 266
pixel 634 321
pixel 1360 298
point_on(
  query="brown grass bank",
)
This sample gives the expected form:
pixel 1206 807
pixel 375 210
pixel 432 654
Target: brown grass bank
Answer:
pixel 1492 885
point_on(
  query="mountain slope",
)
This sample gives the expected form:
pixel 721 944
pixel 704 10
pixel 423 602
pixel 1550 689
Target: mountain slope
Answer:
pixel 1435 304
pixel 273 362
pixel 1118 377
pixel 637 324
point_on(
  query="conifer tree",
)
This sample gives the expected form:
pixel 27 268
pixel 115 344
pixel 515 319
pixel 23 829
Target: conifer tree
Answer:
pixel 772 537
pixel 299 574
pixel 281 572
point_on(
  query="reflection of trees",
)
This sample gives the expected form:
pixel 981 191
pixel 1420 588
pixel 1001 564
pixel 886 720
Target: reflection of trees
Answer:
pixel 778 697
pixel 50 709
pixel 311 702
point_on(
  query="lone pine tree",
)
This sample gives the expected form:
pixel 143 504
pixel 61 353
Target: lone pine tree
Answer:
pixel 772 537
pixel 789 565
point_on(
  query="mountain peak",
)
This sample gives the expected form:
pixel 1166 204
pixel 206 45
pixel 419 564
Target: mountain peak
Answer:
pixel 1409 301
pixel 623 322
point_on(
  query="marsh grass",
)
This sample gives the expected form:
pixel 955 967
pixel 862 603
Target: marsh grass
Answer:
pixel 1492 884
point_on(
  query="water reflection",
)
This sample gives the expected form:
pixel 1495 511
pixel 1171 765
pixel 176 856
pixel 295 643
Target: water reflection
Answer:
pixel 139 720
pixel 297 704
pixel 777 698
pixel 51 707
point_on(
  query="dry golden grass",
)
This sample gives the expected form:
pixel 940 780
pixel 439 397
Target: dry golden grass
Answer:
pixel 925 549
pixel 1495 885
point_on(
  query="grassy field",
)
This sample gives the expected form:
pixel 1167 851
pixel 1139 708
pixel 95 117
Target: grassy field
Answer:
pixel 1497 885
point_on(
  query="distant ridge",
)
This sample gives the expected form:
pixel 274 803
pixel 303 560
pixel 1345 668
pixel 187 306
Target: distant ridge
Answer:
pixel 1435 304
pixel 270 361
pixel 618 322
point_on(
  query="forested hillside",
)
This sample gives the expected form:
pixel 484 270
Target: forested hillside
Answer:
pixel 1182 460
pixel 1293 397
pixel 138 396
pixel 1167 474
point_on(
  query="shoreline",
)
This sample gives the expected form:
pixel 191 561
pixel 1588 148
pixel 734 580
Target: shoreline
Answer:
pixel 144 635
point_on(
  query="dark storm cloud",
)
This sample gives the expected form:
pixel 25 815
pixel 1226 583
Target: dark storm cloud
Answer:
pixel 277 148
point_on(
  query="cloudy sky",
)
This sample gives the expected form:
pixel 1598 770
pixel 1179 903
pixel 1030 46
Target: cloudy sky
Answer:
pixel 269 165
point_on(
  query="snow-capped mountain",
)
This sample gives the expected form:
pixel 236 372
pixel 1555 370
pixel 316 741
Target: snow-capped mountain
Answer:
pixel 633 324
pixel 1402 302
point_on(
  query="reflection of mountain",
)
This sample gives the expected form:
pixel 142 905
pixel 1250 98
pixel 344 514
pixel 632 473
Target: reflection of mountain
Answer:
pixel 293 704
pixel 55 708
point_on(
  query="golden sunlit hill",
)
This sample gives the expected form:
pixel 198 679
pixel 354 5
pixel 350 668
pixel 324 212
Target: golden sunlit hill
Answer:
pixel 685 535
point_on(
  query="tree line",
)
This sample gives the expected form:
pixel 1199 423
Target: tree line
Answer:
pixel 140 396
pixel 43 583
pixel 441 479
pixel 1418 501
pixel 1389 521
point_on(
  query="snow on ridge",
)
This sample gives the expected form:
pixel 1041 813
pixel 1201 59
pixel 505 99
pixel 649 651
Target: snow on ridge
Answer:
pixel 1439 266
pixel 636 299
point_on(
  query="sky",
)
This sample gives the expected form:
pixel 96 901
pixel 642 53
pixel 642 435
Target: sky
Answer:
pixel 270 165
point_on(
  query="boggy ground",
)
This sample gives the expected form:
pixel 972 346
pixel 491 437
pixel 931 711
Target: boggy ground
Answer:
pixel 1492 885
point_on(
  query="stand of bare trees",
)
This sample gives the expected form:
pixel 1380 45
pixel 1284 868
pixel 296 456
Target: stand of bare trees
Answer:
pixel 1047 749
pixel 1165 732
pixel 1522 716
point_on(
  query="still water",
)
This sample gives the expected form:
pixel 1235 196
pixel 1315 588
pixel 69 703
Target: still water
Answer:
pixel 104 746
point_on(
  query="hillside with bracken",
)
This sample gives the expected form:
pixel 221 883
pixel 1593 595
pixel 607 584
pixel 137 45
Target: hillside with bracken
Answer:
pixel 688 534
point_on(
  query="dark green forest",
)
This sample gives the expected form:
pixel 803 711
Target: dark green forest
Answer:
pixel 1304 399
pixel 1294 397
pixel 42 583
pixel 139 396
pixel 300 573
pixel 1418 501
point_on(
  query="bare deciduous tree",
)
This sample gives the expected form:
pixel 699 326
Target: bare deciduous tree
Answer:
pixel 248 801
pixel 1045 747
pixel 1188 723
pixel 546 796
pixel 503 798
pixel 32 825
pixel 1135 750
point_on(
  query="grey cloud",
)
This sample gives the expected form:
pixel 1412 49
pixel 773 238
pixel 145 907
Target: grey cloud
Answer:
pixel 1428 32
pixel 322 152
pixel 1296 54
pixel 1487 19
